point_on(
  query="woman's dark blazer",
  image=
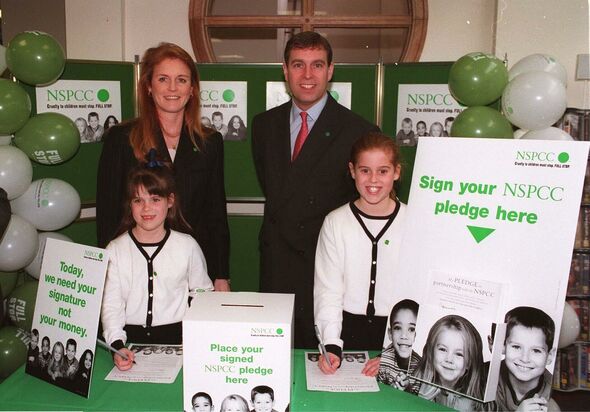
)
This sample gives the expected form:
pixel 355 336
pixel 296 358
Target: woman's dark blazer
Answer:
pixel 199 176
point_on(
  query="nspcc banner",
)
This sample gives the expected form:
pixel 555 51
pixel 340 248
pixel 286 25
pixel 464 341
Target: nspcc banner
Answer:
pixel 93 105
pixel 486 256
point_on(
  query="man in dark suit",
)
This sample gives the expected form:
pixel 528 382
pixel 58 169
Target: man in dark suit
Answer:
pixel 302 165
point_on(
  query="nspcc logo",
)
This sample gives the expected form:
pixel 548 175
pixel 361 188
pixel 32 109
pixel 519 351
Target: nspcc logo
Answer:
pixel 214 95
pixel 424 99
pixel 90 254
pixel 542 159
pixel 77 95
pixel 267 332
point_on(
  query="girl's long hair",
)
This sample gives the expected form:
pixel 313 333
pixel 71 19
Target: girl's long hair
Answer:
pixel 143 136
pixel 237 399
pixel 472 382
pixel 57 366
pixel 157 180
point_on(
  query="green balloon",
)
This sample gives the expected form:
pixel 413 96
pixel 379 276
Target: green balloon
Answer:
pixel 48 138
pixel 15 107
pixel 35 58
pixel 481 121
pixel 13 350
pixel 21 305
pixel 477 79
pixel 8 282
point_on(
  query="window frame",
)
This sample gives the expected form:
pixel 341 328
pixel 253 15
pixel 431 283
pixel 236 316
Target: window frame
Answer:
pixel 416 22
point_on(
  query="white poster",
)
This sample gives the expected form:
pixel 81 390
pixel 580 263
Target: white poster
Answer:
pixel 93 105
pixel 224 107
pixel 277 93
pixel 65 324
pixel 489 237
pixel 424 110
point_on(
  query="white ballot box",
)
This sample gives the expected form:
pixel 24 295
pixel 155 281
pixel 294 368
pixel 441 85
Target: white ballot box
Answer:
pixel 237 351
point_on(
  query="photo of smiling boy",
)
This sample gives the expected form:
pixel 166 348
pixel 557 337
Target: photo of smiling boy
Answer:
pixel 406 136
pixel 202 402
pixel 525 382
pixel 398 360
pixel 263 399
pixel 71 363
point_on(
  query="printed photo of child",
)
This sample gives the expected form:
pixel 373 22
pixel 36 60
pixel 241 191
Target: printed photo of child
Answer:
pixel 71 363
pixel 234 403
pixel 436 129
pixel 405 136
pixel 263 399
pixel 398 360
pixel 448 124
pixel 525 382
pixel 202 402
pixel 421 130
pixel 452 359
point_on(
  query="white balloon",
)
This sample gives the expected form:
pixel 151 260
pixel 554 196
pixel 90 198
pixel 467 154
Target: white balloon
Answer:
pixel 34 268
pixel 518 133
pixel 570 326
pixel 534 100
pixel 16 171
pixel 2 59
pixel 550 133
pixel 5 140
pixel 19 244
pixel 539 62
pixel 49 204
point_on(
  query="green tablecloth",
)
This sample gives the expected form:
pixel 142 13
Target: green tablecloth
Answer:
pixel 23 392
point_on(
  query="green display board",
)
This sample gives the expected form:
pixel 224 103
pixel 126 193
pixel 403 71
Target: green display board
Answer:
pixel 407 73
pixel 80 171
pixel 240 176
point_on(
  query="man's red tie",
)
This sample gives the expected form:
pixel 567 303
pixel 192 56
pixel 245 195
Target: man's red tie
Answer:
pixel 301 136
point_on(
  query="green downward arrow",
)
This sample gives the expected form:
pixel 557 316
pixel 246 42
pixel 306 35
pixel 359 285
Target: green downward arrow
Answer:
pixel 480 233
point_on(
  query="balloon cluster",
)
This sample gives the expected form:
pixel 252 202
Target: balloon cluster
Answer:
pixel 532 94
pixel 535 97
pixel 43 205
pixel 477 80
pixel 37 59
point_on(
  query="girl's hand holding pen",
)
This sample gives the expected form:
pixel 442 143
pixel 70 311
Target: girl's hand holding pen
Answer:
pixel 122 363
pixel 329 369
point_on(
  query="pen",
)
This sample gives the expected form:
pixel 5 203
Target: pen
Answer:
pixel 322 347
pixel 109 347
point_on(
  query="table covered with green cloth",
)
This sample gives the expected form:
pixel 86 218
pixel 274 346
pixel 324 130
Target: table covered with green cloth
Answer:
pixel 22 392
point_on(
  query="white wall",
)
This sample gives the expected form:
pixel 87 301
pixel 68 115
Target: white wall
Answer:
pixel 94 29
pixel 557 28
pixel 120 29
pixel 458 27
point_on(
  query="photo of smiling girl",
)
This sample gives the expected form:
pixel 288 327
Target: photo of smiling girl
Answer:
pixel 398 360
pixel 452 359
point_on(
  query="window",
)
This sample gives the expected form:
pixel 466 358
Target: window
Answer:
pixel 257 30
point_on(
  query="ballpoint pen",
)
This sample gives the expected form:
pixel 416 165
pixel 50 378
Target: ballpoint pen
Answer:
pixel 322 347
pixel 109 347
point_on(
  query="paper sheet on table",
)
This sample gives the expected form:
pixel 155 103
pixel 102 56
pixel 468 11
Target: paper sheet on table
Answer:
pixel 348 378
pixel 153 363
